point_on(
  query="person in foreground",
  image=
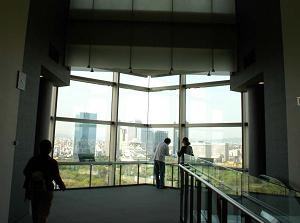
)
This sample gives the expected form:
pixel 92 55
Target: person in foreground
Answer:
pixel 160 152
pixel 40 172
pixel 185 149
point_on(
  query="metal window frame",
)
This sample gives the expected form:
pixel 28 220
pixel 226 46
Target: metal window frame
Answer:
pixel 114 123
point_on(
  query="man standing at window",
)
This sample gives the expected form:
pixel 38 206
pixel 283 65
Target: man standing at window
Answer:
pixel 161 151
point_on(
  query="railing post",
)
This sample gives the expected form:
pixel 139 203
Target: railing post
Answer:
pixel 247 218
pixel 199 198
pixel 181 193
pixel 138 175
pixel 90 181
pixel 120 175
pixel 192 200
pixel 209 205
pixel 186 196
pixel 222 210
pixel 172 175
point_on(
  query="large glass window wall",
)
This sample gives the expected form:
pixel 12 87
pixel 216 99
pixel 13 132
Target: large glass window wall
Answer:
pixel 164 107
pixel 109 116
pixel 75 141
pixel 133 106
pixel 213 105
pixel 84 101
pixel 223 145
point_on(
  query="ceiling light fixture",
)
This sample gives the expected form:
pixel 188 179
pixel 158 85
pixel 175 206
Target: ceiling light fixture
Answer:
pixel 90 39
pixel 171 39
pixel 212 36
pixel 131 38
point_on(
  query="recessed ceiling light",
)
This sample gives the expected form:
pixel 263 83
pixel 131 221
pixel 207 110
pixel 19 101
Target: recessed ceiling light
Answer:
pixel 261 82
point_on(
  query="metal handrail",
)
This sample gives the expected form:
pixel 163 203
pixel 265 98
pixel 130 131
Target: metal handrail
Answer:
pixel 111 163
pixel 211 177
pixel 225 196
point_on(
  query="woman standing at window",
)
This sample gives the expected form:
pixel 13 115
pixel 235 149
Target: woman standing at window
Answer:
pixel 185 149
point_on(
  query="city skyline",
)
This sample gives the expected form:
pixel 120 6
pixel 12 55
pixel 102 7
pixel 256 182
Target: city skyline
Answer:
pixel 203 105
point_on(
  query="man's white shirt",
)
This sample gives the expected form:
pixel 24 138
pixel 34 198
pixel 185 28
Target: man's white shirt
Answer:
pixel 161 151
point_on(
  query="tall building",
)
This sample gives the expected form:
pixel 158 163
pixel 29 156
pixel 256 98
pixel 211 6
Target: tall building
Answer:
pixel 159 136
pixel 85 135
pixel 176 142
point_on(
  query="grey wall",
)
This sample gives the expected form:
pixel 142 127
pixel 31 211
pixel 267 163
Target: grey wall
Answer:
pixel 260 33
pixel 13 20
pixel 291 44
pixel 46 26
pixel 122 33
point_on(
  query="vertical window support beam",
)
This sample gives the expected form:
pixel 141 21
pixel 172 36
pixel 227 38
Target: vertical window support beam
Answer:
pixel 114 125
pixel 182 108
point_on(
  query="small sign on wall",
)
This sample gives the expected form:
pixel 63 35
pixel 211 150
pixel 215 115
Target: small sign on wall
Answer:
pixel 21 83
pixel 298 101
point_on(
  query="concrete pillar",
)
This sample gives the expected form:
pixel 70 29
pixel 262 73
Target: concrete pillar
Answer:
pixel 43 112
pixel 257 145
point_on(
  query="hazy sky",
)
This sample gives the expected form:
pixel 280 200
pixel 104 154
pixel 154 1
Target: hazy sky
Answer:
pixel 204 105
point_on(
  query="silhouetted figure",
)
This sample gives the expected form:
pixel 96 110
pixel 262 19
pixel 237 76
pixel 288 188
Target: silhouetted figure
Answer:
pixel 185 149
pixel 40 172
pixel 161 151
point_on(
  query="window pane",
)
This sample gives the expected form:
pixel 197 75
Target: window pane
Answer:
pixel 146 174
pixel 132 144
pixel 100 175
pixel 223 144
pixel 213 105
pixel 164 107
pixel 84 100
pixel 164 81
pixel 75 176
pixel 129 174
pixel 134 80
pixel 202 77
pixel 133 106
pixel 97 74
pixel 84 140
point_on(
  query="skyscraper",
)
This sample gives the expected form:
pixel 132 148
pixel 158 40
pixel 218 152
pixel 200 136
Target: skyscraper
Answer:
pixel 85 135
pixel 176 141
pixel 159 137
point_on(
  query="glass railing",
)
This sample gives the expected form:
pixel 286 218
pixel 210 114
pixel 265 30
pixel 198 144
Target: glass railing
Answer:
pixel 268 200
pixel 103 174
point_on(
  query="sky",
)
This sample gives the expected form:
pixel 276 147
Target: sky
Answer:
pixel 204 105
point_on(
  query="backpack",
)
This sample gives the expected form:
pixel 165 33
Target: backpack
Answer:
pixel 37 182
